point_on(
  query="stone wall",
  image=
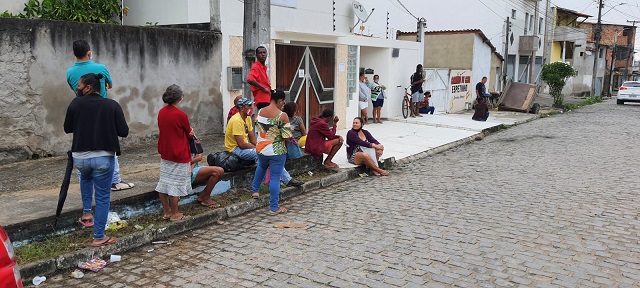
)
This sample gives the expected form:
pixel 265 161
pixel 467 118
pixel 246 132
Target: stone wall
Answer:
pixel 143 61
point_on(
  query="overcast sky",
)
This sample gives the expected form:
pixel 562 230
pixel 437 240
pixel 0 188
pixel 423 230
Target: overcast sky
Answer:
pixel 448 15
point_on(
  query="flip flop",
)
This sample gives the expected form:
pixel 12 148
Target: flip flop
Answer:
pixel 385 173
pixel 255 195
pixel 165 217
pixel 184 217
pixel 108 241
pixel 210 205
pixel 281 210
pixel 86 222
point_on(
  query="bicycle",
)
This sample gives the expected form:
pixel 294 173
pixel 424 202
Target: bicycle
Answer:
pixel 406 101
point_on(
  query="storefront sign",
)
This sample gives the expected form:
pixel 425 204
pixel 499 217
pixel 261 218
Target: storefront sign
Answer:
pixel 461 89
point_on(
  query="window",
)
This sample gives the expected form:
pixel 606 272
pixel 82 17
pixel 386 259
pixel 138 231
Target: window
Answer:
pixel 601 53
pixel 540 25
pixel 513 14
pixel 526 23
pixel 531 25
pixel 352 72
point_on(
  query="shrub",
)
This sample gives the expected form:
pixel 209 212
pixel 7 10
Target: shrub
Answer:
pixel 555 75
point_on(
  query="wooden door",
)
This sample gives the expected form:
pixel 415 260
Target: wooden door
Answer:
pixel 307 75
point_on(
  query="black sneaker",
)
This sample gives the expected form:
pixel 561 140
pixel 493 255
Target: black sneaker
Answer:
pixel 294 183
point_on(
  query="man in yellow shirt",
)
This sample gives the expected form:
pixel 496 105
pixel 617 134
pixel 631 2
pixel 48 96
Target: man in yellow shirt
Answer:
pixel 240 140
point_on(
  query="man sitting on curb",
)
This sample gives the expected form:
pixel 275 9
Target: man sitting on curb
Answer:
pixel 240 140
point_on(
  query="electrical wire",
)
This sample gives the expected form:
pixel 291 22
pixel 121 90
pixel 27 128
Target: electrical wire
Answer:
pixel 405 8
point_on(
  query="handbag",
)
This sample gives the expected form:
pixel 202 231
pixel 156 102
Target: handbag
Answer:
pixel 194 146
pixel 293 150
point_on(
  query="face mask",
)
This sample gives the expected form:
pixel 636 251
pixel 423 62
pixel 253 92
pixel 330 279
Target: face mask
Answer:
pixel 79 93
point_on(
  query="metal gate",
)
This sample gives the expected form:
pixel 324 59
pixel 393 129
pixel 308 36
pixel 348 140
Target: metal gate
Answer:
pixel 437 81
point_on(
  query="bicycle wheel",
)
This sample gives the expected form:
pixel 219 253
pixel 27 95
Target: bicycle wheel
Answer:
pixel 405 107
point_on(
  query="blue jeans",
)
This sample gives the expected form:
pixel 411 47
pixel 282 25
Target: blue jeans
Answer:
pixel 423 110
pixel 251 154
pixel 116 173
pixel 96 173
pixel 276 166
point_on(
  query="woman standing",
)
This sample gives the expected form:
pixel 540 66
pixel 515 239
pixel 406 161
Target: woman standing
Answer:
pixel 297 124
pixel 358 141
pixel 96 124
pixel 173 146
pixel 273 128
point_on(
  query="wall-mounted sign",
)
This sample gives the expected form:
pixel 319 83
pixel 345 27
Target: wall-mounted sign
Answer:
pixel 461 90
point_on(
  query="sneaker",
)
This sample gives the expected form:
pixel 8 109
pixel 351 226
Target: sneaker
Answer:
pixel 295 183
pixel 121 186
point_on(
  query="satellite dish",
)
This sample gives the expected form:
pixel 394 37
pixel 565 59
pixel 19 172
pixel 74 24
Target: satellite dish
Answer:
pixel 360 11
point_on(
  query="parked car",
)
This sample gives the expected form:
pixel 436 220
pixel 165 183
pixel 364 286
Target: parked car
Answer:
pixel 628 92
pixel 9 270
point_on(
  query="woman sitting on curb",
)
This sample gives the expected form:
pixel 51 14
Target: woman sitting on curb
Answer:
pixel 205 175
pixel 296 122
pixel 358 143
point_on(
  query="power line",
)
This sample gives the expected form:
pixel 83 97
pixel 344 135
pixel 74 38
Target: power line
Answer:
pixel 405 8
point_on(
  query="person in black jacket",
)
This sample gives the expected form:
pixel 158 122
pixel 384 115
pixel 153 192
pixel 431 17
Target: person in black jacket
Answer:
pixel 96 124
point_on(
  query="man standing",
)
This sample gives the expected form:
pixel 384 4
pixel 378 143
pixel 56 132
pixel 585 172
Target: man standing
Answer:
pixel 482 107
pixel 416 91
pixel 259 80
pixel 364 95
pixel 377 97
pixel 82 66
pixel 240 140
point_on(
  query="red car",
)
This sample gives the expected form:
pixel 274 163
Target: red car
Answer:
pixel 9 270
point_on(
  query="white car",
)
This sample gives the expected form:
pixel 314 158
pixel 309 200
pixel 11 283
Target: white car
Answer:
pixel 629 92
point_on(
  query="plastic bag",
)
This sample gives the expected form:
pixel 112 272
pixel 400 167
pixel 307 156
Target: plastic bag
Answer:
pixel 228 161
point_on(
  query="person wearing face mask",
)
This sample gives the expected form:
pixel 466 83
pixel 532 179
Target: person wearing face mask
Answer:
pixel 363 149
pixel 95 143
pixel 82 66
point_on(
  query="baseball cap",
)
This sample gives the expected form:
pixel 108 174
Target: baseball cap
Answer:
pixel 244 102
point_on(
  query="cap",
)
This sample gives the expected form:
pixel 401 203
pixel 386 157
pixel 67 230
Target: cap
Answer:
pixel 244 102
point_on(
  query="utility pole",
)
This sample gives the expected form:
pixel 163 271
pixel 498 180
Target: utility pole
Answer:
pixel 422 25
pixel 596 37
pixel 630 48
pixel 257 32
pixel 613 60
pixel 534 34
pixel 506 54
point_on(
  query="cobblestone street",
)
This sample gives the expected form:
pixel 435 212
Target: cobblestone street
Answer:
pixel 550 203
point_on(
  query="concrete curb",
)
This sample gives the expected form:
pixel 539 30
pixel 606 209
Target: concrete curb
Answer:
pixel 138 239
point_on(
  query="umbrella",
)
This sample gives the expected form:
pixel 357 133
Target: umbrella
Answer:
pixel 65 186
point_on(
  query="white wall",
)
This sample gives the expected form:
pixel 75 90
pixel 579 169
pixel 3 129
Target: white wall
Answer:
pixel 166 12
pixel 481 63
pixel 377 59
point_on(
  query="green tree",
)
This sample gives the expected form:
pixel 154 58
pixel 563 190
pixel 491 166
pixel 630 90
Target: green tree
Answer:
pixel 93 11
pixel 555 75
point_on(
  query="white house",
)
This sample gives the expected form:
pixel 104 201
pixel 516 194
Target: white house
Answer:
pixel 315 63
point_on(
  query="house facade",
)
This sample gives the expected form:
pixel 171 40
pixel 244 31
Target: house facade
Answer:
pixel 568 44
pixel 457 57
pixel 622 38
pixel 314 56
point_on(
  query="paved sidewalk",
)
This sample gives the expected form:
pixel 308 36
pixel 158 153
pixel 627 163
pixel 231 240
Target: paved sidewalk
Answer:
pixel 401 138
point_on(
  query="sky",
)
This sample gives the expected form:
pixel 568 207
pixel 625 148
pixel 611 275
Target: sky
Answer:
pixel 481 14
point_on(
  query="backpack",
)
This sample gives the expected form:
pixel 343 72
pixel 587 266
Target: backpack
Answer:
pixel 228 161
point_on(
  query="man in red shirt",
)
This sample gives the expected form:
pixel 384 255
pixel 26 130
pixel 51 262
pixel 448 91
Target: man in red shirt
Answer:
pixel 259 80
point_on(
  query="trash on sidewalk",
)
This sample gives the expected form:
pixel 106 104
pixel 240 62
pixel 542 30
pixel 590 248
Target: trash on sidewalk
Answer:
pixel 77 274
pixel 96 264
pixel 161 242
pixel 362 175
pixel 38 280
pixel 115 258
pixel 220 222
pixel 138 227
pixel 289 225
pixel 114 222
pixel 310 174
pixel 151 250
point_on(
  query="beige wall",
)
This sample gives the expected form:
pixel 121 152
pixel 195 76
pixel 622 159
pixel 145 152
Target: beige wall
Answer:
pixel 452 51
pixel 496 63
pixel 235 60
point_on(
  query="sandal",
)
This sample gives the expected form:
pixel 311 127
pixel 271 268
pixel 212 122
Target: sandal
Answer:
pixel 211 204
pixel 281 210
pixel 182 217
pixel 384 173
pixel 255 195
pixel 107 241
pixel 86 222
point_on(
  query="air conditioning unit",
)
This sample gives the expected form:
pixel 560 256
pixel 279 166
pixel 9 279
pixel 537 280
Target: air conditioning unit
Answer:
pixel 234 78
pixel 528 44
